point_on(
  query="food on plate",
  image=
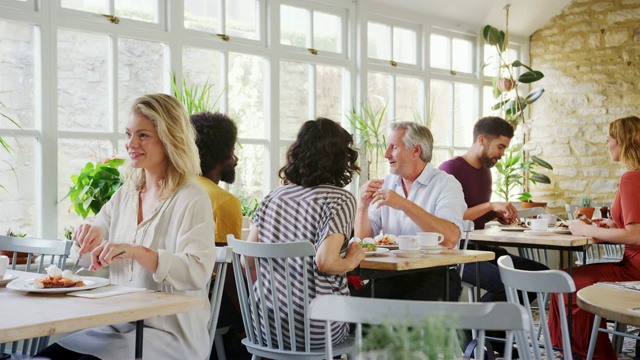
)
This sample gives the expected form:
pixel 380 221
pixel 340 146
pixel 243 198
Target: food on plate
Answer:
pixel 518 224
pixel 57 278
pixel 562 226
pixel 367 246
pixel 386 240
pixel 582 217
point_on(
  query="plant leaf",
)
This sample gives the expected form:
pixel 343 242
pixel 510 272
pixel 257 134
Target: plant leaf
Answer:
pixel 539 178
pixel 530 76
pixel 541 162
pixel 534 95
pixel 517 63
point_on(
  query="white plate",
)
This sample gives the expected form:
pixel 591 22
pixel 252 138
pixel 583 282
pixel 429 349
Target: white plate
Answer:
pixel 431 249
pixel 542 233
pixel 512 228
pixel 408 253
pixel 390 247
pixel 90 282
pixel 560 231
pixel 7 279
pixel 377 252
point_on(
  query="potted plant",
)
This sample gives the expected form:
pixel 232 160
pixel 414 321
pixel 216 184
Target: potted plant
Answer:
pixel 372 141
pixel 22 257
pixel 584 207
pixel 515 171
pixel 94 186
pixel 195 99
pixel 511 172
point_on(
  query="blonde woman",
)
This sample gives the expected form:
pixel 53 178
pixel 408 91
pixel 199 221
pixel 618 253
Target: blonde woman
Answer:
pixel 155 232
pixel 623 143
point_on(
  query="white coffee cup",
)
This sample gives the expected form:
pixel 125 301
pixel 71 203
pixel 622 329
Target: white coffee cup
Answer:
pixel 538 224
pixel 430 239
pixel 408 243
pixel 4 264
pixel 551 218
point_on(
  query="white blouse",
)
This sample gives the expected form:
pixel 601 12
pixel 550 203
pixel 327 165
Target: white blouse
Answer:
pixel 181 230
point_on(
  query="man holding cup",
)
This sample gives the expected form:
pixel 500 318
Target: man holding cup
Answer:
pixel 414 198
pixel 491 137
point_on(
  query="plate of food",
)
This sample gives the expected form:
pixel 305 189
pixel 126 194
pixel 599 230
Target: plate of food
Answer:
pixel 34 285
pixel 7 278
pixel 558 230
pixel 512 228
pixel 378 251
pixel 387 241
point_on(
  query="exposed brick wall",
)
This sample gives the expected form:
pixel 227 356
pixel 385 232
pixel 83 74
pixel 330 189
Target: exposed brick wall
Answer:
pixel 590 55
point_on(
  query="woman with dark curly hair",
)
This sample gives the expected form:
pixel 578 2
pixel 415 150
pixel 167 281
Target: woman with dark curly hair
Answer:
pixel 313 206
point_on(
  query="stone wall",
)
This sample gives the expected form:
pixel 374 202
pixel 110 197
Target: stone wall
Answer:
pixel 590 55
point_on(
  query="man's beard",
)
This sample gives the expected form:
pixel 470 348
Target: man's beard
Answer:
pixel 487 162
pixel 228 173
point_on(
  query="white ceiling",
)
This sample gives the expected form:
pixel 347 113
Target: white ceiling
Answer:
pixel 525 16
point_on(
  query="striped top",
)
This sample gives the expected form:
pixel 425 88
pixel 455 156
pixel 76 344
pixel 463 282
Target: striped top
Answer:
pixel 294 213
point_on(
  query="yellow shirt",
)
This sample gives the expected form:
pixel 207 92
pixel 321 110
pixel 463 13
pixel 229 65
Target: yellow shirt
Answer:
pixel 227 214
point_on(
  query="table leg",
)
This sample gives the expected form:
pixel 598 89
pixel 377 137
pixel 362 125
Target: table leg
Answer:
pixel 373 287
pixel 478 281
pixel 446 284
pixel 139 328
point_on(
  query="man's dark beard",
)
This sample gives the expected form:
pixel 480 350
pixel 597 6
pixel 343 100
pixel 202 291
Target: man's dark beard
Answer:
pixel 228 173
pixel 486 161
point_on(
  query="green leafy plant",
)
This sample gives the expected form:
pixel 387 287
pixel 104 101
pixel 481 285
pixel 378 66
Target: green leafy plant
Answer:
pixel 248 206
pixel 3 143
pixel 511 173
pixel 14 234
pixel 434 338
pixel 585 201
pixel 94 186
pixel 196 98
pixel 368 124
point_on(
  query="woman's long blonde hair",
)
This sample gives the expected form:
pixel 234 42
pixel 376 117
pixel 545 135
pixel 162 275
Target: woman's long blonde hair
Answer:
pixel 626 131
pixel 170 118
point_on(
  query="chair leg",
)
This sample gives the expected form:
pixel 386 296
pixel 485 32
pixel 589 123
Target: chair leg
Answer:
pixel 219 344
pixel 594 336
pixel 617 340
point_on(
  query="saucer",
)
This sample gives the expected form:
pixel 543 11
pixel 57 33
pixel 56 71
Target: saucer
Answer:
pixel 408 253
pixel 431 249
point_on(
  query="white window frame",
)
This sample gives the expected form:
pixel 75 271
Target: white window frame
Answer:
pixel 393 23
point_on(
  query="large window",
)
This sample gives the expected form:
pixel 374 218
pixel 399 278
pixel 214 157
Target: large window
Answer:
pixel 271 65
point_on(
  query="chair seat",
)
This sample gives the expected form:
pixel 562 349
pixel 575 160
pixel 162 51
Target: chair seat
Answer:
pixel 346 347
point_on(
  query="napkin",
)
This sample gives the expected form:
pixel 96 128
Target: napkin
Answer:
pixel 105 291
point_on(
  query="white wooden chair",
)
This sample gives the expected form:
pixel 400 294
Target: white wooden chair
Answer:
pixel 44 252
pixel 223 259
pixel 480 316
pixel 267 327
pixel 542 283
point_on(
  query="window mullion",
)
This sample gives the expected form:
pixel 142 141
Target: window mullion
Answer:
pixel 311 91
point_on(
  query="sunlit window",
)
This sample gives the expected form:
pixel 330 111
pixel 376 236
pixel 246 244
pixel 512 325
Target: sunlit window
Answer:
pixel 451 52
pixel 312 28
pixel 388 42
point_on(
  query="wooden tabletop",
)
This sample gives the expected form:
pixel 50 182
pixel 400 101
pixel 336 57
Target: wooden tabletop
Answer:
pixel 495 235
pixel 29 315
pixel 611 303
pixel 389 261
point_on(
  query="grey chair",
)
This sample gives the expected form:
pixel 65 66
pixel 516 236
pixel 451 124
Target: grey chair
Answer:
pixel 223 259
pixel 480 316
pixel 266 326
pixel 520 282
pixel 44 252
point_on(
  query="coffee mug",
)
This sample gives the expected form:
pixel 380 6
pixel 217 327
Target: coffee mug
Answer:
pixel 4 264
pixel 538 224
pixel 408 243
pixel 430 239
pixel 550 218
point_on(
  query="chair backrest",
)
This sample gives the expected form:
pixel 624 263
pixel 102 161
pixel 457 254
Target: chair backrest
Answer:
pixel 223 259
pixel 480 316
pixel 44 251
pixel 539 255
pixel 270 303
pixel 469 226
pixel 518 282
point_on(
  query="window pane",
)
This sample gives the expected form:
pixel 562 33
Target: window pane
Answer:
pixel 488 101
pixel 241 19
pixel 439 52
pixel 138 74
pixel 141 10
pixel 200 70
pixel 294 25
pixel 73 155
pixel 462 55
pixel 83 86
pixel 250 171
pixel 440 156
pixel 464 115
pixel 327 32
pixel 17 176
pixel 92 6
pixel 491 61
pixel 378 88
pixel 17 74
pixel 201 15
pixel 404 45
pixel 246 96
pixel 440 100
pixel 378 41
pixel 408 93
pixel 294 97
pixel 329 92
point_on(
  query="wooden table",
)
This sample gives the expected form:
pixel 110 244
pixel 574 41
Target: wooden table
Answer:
pixel 48 314
pixel 388 264
pixel 610 303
